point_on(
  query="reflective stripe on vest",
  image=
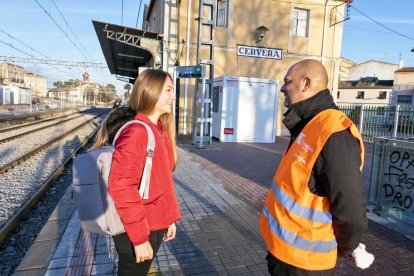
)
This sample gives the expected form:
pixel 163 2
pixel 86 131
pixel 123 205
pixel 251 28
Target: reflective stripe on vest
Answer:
pixel 296 241
pixel 302 211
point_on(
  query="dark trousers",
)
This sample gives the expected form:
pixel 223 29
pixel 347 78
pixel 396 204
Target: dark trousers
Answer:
pixel 127 265
pixel 278 268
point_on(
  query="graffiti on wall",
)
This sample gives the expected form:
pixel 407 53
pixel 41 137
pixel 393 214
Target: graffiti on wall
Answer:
pixel 398 180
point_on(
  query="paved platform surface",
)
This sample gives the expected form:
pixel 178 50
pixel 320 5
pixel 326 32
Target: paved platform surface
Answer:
pixel 220 191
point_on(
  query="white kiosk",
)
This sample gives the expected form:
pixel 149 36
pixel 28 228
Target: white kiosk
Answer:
pixel 244 109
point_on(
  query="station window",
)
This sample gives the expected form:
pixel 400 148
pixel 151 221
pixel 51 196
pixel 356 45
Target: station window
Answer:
pixel 222 13
pixel 300 21
pixel 382 95
pixel 338 94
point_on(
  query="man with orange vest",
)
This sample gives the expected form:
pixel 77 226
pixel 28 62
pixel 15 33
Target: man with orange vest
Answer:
pixel 315 209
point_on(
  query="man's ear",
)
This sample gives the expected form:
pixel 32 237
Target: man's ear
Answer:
pixel 306 84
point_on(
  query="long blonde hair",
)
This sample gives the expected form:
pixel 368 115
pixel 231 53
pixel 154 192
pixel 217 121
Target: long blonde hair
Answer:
pixel 144 96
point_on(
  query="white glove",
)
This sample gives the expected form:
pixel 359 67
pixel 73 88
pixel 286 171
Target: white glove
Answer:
pixel 363 259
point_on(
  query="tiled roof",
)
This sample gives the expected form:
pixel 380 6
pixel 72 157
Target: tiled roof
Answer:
pixel 378 84
pixel 405 69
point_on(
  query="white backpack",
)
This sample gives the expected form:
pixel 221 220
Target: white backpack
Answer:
pixel 90 186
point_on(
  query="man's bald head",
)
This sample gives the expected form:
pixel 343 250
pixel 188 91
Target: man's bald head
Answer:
pixel 303 80
pixel 315 71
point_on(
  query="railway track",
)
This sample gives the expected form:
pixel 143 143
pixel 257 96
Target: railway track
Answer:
pixel 23 125
pixel 34 126
pixel 36 170
pixel 26 155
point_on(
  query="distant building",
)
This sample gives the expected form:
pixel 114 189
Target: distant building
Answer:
pixel 368 90
pixel 15 75
pixel 373 68
pixel 12 74
pixel 36 83
pixel 344 68
pixel 370 82
pixel 403 90
pixel 81 91
pixel 85 77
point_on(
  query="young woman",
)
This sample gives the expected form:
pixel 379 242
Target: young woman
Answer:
pixel 147 222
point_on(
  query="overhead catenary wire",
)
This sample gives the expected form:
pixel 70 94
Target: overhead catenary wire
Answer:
pixel 28 46
pixel 368 29
pixel 66 34
pixel 80 43
pixel 382 25
pixel 74 34
pixel 14 38
pixel 31 55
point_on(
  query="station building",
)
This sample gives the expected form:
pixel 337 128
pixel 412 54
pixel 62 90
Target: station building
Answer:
pixel 259 39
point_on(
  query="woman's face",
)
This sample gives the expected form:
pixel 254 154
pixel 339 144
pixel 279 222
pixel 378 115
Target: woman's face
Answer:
pixel 167 96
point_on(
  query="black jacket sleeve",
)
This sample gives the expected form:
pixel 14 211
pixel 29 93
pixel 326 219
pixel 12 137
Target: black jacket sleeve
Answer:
pixel 337 175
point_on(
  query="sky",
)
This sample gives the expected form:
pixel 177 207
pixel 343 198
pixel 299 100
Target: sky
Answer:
pixel 365 40
pixel 28 21
pixel 33 23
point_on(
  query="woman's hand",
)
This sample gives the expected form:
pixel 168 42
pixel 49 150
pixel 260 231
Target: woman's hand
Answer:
pixel 143 252
pixel 170 233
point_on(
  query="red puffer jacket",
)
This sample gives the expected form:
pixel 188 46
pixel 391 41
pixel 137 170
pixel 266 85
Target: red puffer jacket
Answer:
pixel 141 216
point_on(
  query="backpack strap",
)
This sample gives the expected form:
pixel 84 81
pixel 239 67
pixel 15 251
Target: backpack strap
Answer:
pixel 146 175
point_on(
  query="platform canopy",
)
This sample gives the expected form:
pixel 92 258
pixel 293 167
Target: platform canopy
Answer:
pixel 126 49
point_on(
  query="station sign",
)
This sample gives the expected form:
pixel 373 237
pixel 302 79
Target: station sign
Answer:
pixel 189 72
pixel 259 52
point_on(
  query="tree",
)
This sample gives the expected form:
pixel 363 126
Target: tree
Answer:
pixel 69 83
pixel 58 84
pixel 106 93
pixel 110 88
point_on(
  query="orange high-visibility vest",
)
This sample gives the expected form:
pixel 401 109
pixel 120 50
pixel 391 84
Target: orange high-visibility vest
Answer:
pixel 295 223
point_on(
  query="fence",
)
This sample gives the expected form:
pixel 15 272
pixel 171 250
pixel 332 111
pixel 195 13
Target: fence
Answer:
pixel 392 180
pixel 392 172
pixel 382 121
